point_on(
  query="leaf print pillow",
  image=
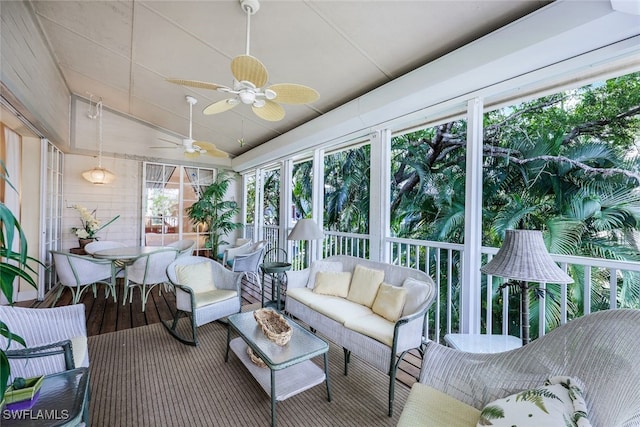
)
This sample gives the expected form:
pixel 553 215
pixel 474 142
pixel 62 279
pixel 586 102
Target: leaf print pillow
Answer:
pixel 558 403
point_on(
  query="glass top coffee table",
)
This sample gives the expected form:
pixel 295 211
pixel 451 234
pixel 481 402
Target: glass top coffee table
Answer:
pixel 289 369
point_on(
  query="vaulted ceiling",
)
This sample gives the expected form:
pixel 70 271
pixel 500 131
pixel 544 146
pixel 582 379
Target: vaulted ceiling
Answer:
pixel 123 51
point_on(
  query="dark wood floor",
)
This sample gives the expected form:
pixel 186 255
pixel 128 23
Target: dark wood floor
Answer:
pixel 104 315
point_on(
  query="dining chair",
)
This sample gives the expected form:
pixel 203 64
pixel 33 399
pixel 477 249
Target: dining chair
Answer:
pixel 248 265
pixel 185 246
pixel 78 272
pixel 146 272
pixel 242 246
pixel 98 245
pixel 205 291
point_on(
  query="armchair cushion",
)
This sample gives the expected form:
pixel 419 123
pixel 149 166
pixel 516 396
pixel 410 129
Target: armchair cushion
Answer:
pixel 198 277
pixel 317 266
pixel 332 283
pixel 79 349
pixel 204 298
pixel 364 285
pixel 558 402
pixel 428 406
pixel 389 302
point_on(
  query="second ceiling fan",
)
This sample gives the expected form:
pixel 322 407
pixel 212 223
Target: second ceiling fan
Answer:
pixel 249 79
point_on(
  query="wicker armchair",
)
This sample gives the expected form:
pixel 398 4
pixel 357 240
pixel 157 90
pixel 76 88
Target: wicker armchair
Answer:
pixel 55 338
pixel 599 349
pixel 203 305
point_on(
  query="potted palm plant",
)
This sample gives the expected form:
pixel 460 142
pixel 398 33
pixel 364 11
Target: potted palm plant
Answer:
pixel 13 264
pixel 217 213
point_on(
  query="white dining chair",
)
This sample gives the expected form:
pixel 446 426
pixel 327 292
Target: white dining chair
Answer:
pixel 185 246
pixel 78 272
pixel 98 245
pixel 146 272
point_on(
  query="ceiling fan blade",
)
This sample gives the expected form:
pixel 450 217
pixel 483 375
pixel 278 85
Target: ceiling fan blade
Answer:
pixel 248 68
pixel 197 84
pixel 220 106
pixel 291 93
pixel 211 149
pixel 271 111
pixel 193 155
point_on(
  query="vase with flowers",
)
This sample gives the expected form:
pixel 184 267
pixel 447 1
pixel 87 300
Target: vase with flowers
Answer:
pixel 90 225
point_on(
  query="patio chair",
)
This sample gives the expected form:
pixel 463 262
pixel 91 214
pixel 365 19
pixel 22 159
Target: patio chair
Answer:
pixel 55 338
pixel 146 272
pixel 205 291
pixel 248 264
pixel 98 245
pixel 599 350
pixel 78 272
pixel 185 247
pixel 242 246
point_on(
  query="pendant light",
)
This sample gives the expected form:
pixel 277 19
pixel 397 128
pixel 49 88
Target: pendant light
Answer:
pixel 98 175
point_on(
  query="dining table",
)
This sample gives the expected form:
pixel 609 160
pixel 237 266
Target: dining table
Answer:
pixel 121 257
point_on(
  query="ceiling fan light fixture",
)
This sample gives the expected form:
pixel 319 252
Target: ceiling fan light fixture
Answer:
pixel 247 97
pixel 259 103
pixel 270 94
pixel 98 175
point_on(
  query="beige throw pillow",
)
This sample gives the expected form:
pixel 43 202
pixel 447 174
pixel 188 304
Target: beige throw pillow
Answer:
pixel 320 265
pixel 332 283
pixel 417 293
pixel 389 302
pixel 198 277
pixel 364 285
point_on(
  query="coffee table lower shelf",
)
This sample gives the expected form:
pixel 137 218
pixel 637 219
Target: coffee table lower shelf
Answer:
pixel 289 381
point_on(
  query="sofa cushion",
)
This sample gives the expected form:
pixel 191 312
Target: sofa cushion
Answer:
pixel 364 285
pixel 373 326
pixel 332 283
pixel 198 277
pixel 557 402
pixel 336 308
pixel 389 301
pixel 417 293
pixel 427 406
pixel 320 265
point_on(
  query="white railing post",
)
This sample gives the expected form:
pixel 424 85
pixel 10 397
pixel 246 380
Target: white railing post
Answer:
pixel 317 200
pixel 379 194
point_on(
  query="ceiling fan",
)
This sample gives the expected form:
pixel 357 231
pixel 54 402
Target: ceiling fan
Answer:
pixel 192 148
pixel 249 79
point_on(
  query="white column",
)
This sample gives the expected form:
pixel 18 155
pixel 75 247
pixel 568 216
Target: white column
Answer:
pixel 317 202
pixel 286 200
pixel 379 194
pixel 258 215
pixel 471 297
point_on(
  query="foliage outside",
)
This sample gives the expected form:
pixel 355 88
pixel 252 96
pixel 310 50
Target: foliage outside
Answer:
pixel 217 213
pixel 567 164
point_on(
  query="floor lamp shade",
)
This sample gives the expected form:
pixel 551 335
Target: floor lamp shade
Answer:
pixel 523 256
pixel 306 229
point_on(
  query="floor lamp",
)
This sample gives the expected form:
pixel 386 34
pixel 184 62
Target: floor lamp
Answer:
pixel 523 258
pixel 306 229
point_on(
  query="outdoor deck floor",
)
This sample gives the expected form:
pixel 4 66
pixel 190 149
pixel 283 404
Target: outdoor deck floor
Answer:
pixel 104 315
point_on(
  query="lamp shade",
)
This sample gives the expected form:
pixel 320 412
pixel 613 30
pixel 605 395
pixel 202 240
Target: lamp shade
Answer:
pixel 98 175
pixel 306 229
pixel 523 256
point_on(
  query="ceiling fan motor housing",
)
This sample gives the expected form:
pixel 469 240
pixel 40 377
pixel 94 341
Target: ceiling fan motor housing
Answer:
pixel 250 6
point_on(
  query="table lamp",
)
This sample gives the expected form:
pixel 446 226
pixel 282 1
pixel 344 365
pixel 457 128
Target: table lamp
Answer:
pixel 306 229
pixel 523 258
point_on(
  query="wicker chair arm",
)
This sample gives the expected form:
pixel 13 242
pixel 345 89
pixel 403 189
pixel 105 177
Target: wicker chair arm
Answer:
pixel 62 347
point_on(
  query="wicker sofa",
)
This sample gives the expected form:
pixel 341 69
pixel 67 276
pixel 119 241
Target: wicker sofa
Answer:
pixel 600 350
pixel 358 328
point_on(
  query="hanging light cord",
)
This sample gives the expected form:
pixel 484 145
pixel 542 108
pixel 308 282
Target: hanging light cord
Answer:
pixel 99 113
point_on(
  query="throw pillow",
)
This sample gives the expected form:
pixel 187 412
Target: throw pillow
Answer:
pixel 320 265
pixel 417 293
pixel 558 403
pixel 364 285
pixel 389 302
pixel 198 277
pixel 332 283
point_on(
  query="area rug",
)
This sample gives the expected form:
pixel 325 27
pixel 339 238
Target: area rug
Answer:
pixel 144 377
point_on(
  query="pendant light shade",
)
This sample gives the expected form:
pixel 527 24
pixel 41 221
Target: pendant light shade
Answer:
pixel 98 175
